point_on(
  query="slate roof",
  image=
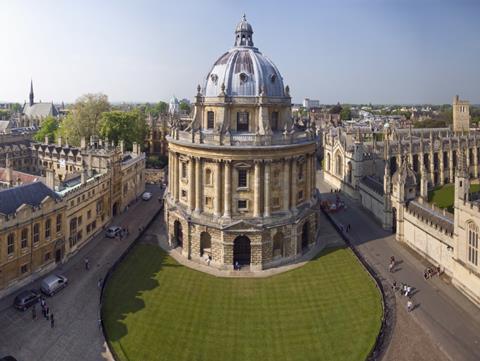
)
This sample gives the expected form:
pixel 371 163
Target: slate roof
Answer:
pixel 444 221
pixel 40 110
pixel 32 194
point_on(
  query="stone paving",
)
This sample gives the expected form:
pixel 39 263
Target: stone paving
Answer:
pixel 77 335
pixel 444 319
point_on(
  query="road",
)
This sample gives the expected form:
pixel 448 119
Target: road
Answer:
pixel 451 321
pixel 77 335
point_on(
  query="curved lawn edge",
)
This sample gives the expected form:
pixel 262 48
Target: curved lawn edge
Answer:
pixel 384 336
pixel 369 313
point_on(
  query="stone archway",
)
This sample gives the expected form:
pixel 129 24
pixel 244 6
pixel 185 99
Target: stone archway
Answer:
pixel 178 234
pixel 242 251
pixel 278 245
pixel 305 235
pixel 205 244
pixel 115 209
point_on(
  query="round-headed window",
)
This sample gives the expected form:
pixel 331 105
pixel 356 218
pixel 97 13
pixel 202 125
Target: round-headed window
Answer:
pixel 243 77
pixel 273 77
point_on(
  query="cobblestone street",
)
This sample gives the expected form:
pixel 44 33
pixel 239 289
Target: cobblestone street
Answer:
pixel 77 335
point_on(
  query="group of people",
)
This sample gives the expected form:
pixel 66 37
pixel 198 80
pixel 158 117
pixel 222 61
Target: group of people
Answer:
pixel 430 272
pixel 45 312
pixel 404 289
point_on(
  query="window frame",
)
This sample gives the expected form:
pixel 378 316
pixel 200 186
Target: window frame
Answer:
pixel 210 119
pixel 243 125
pixel 242 178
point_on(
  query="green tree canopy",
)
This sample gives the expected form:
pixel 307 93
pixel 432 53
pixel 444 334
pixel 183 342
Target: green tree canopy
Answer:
pixel 127 126
pixel 48 128
pixel 84 117
pixel 185 107
pixel 346 113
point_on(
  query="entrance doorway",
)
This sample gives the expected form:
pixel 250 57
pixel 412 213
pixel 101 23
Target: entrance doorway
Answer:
pixel 58 256
pixel 305 235
pixel 178 234
pixel 242 251
pixel 205 244
pixel 115 209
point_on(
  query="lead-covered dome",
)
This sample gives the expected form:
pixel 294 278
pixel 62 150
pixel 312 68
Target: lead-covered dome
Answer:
pixel 243 70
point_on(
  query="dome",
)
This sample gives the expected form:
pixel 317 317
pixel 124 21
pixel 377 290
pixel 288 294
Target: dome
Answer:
pixel 244 25
pixel 244 70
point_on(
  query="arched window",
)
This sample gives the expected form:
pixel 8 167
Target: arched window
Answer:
pixel 328 161
pixel 208 177
pixel 339 165
pixel 274 121
pixel 473 244
pixel 242 122
pixel 210 120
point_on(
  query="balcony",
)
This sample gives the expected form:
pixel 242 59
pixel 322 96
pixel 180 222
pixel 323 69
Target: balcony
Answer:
pixel 211 138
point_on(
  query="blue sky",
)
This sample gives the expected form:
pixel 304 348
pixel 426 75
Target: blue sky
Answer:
pixel 379 51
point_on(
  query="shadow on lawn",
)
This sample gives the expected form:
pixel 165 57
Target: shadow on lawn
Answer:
pixel 145 261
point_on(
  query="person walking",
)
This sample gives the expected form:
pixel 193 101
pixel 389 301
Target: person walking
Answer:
pixel 52 321
pixel 409 305
pixel 87 264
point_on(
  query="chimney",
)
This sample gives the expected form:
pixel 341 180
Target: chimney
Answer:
pixel 59 141
pixel 135 148
pixel 8 170
pixel 46 139
pixel 84 176
pixel 50 179
pixel 83 143
pixel 122 146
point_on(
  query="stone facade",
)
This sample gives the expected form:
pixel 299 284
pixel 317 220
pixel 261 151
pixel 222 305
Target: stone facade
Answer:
pixel 241 187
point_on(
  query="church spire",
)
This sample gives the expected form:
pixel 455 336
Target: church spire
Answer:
pixel 31 93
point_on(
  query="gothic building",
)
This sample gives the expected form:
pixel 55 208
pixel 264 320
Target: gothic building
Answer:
pixel 391 172
pixel 33 113
pixel 241 186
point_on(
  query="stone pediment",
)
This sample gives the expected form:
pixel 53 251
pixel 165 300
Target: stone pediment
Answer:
pixel 242 226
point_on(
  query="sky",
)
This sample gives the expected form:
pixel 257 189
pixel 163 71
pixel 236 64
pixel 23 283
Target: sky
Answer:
pixel 357 51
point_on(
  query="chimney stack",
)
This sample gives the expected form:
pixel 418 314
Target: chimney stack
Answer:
pixel 50 179
pixel 83 143
pixel 59 141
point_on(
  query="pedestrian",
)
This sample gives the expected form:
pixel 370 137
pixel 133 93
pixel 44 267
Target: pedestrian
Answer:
pixel 42 302
pixel 408 291
pixel 34 313
pixel 409 305
pixel 390 267
pixel 394 286
pixel 87 264
pixel 52 321
pixel 47 313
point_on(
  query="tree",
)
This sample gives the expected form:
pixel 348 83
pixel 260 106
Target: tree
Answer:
pixel 185 107
pixel 346 114
pixel 84 117
pixel 48 129
pixel 127 126
pixel 16 107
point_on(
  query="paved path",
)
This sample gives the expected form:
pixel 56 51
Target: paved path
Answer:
pixel 451 322
pixel 76 335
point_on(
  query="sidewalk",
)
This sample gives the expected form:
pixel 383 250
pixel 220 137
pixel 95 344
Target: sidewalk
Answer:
pixel 444 318
pixel 76 335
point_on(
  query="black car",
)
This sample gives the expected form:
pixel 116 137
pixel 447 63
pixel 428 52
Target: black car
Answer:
pixel 25 299
pixel 8 358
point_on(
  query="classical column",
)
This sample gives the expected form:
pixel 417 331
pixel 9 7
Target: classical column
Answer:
pixel 266 192
pixel 308 177
pixel 198 186
pixel 218 190
pixel 191 184
pixel 256 189
pixel 286 184
pixel 227 211
pixel 176 177
pixel 314 176
pixel 294 184
pixel 170 173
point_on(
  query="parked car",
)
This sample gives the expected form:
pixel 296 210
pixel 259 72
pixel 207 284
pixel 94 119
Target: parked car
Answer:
pixel 113 231
pixel 146 196
pixel 8 358
pixel 52 284
pixel 25 299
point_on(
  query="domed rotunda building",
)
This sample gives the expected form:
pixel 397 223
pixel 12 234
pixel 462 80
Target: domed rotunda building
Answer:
pixel 241 187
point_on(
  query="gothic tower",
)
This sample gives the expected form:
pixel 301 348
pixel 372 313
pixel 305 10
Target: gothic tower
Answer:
pixel 31 96
pixel 461 115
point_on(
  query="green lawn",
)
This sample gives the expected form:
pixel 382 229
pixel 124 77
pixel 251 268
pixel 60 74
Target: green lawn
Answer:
pixel 156 309
pixel 443 196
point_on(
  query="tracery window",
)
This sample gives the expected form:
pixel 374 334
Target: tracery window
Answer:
pixel 473 244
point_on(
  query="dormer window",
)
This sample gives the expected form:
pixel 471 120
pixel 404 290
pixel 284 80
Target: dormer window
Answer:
pixel 273 77
pixel 214 78
pixel 243 77
pixel 210 119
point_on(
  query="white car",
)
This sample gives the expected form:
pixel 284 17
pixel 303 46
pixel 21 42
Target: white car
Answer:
pixel 113 231
pixel 146 196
